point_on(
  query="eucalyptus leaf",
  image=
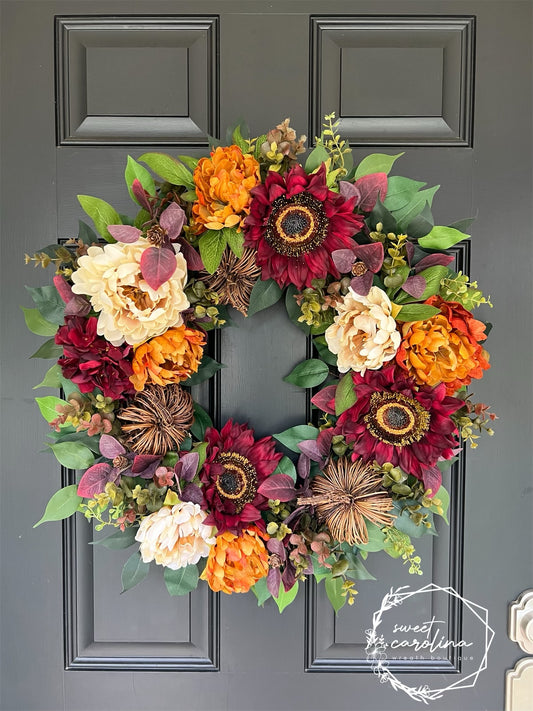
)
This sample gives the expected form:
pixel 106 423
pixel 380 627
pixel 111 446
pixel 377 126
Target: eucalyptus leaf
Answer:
pixel 63 504
pixel 101 213
pixel 308 374
pixel 264 294
pixel 181 581
pixel 134 571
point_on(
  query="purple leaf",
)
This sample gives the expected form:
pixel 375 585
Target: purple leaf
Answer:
pixel 189 465
pixel 78 306
pixel 309 447
pixel 371 187
pixel 324 442
pixel 278 487
pixel 274 581
pixel 110 447
pixel 145 464
pixel 432 479
pixel 192 493
pixel 94 480
pixel 410 249
pixel 349 191
pixel 158 264
pixel 193 259
pixel 276 546
pixel 415 286
pixel 361 284
pixel 140 194
pixel 172 220
pixel 371 254
pixel 434 260
pixel 124 233
pixel 343 260
pixel 288 577
pixel 304 466
pixel 325 399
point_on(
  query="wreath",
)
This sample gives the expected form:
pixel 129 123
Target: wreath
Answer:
pixel 365 274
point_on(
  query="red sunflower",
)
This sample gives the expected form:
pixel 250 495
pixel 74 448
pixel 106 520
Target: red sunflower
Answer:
pixel 234 468
pixel 295 223
pixel 395 421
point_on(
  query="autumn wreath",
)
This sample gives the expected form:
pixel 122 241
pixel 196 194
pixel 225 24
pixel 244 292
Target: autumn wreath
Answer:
pixel 365 274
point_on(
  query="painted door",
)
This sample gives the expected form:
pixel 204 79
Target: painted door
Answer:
pixel 86 82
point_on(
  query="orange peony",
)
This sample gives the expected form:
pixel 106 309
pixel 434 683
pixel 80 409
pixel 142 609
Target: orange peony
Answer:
pixel 444 349
pixel 235 563
pixel 223 183
pixel 169 358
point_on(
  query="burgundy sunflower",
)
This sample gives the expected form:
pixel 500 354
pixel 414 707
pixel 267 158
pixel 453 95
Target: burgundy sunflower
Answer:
pixel 234 468
pixel 295 223
pixel 395 421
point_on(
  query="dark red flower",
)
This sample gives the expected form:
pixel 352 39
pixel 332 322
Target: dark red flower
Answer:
pixel 234 468
pixel 295 223
pixel 90 361
pixel 395 421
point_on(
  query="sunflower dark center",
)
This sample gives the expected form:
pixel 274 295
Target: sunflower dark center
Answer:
pixel 396 419
pixel 237 481
pixel 296 225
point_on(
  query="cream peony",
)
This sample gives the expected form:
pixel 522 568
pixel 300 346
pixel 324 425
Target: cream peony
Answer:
pixel 175 537
pixel 363 334
pixel 130 310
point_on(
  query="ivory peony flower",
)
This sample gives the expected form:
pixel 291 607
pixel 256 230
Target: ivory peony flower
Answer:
pixel 235 563
pixel 129 309
pixel 175 537
pixel 363 334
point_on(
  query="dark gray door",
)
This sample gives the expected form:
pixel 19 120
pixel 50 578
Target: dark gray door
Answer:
pixel 86 82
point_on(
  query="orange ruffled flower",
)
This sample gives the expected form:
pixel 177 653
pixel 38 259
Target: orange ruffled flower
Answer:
pixel 169 358
pixel 235 563
pixel 445 348
pixel 223 183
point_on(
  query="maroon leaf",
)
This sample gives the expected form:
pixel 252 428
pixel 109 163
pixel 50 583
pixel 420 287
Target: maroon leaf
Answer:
pixel 172 220
pixel 434 260
pixel 78 306
pixel 288 577
pixel 145 464
pixel 410 249
pixel 110 447
pixel 304 466
pixel 63 287
pixel 158 264
pixel 371 254
pixel 274 581
pixel 141 195
pixel 362 284
pixel 349 191
pixel 193 259
pixel 325 399
pixel 432 479
pixel 324 442
pixel 371 187
pixel 187 466
pixel 310 448
pixel 415 286
pixel 276 546
pixel 192 493
pixel 124 233
pixel 94 480
pixel 278 487
pixel 343 260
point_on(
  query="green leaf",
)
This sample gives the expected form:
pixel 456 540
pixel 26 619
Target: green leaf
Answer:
pixel 319 571
pixel 381 214
pixel 189 196
pixel 442 238
pixel 357 570
pixel 323 351
pixel 37 324
pixel 463 225
pixel 101 213
pixel 264 294
pixel 235 241
pixel 400 191
pixel 286 466
pixel 52 379
pixel 404 523
pixel 444 497
pixel 182 580
pixel 201 448
pixel 376 539
pixel 86 233
pixel 134 571
pixel 416 312
pixel 238 140
pixel 49 303
pixel 433 277
pixel 63 504
pixel 201 422
pixel 334 593
pixel 118 540
pixel 293 310
pixel 407 214
pixel 212 245
pixel 345 396
pixel 208 367
pixel 258 143
pixel 190 162
pixel 261 591
pixel 308 374
pixel 47 406
pixel 284 599
pixel 294 435
pixel 49 349
pixel 92 443
pixel 136 171
pixel 169 169
pixel 422 224
pixel 315 159
pixel 73 455
pixel 376 163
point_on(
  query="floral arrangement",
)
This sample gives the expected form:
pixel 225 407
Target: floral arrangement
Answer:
pixel 365 274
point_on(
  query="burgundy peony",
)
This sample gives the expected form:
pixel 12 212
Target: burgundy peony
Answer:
pixel 395 421
pixel 295 223
pixel 234 468
pixel 90 361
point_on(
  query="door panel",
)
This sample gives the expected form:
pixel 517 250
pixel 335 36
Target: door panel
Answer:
pixel 447 80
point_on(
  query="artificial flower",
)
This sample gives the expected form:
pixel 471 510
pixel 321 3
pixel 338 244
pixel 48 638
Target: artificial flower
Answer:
pixel 362 261
pixel 175 536
pixel 235 563
pixel 169 358
pixel 234 279
pixel 90 361
pixel 129 309
pixel 234 468
pixel 363 334
pixel 223 184
pixel 445 348
pixel 295 223
pixel 395 421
